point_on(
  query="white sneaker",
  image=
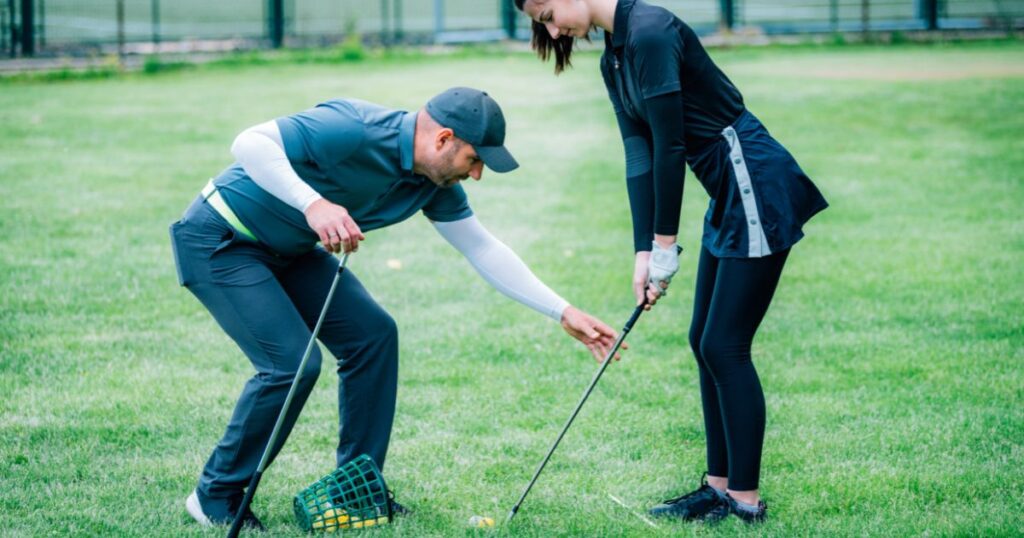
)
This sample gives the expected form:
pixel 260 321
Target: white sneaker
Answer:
pixel 196 510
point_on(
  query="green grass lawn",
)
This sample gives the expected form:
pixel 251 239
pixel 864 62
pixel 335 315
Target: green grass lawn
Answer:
pixel 891 357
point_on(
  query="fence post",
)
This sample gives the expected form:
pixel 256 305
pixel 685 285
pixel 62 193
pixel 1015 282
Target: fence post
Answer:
pixel 397 25
pixel 28 38
pixel 438 18
pixel 154 9
pixel 10 30
pixel 120 30
pixel 508 15
pixel 384 23
pixel 4 31
pixel 929 10
pixel 865 18
pixel 728 15
pixel 833 8
pixel 276 23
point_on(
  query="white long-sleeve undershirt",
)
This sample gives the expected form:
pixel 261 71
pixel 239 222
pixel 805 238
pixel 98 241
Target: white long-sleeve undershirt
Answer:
pixel 500 266
pixel 260 151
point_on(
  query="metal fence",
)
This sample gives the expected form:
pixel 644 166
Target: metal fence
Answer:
pixel 33 26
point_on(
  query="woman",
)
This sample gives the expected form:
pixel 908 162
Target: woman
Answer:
pixel 674 107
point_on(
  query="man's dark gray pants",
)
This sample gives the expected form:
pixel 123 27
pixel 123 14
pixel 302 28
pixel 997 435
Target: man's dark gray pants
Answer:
pixel 269 305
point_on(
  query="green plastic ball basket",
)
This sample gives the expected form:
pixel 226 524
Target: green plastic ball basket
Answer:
pixel 352 497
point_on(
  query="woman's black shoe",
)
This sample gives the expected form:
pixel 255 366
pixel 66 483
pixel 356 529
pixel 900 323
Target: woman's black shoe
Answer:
pixel 747 515
pixel 693 505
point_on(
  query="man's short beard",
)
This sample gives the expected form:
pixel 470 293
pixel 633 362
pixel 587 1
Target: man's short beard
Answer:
pixel 445 171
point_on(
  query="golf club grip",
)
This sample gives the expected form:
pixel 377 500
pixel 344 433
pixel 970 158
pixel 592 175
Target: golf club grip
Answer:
pixel 636 315
pixel 236 524
pixel 604 366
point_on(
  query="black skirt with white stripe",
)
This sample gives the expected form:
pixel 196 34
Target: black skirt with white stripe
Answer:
pixel 760 198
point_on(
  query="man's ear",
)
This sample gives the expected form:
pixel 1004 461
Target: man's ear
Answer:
pixel 443 137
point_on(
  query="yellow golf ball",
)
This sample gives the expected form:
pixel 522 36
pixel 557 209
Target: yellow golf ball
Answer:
pixel 481 522
pixel 331 519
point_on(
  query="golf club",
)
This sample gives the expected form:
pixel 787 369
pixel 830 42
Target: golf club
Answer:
pixel 236 525
pixel 604 365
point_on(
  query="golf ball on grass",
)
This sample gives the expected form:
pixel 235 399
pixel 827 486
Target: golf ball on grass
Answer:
pixel 481 522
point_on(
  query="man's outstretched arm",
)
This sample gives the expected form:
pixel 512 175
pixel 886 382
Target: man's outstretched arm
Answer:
pixel 507 273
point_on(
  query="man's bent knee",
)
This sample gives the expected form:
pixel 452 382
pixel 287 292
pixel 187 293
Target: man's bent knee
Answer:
pixel 286 373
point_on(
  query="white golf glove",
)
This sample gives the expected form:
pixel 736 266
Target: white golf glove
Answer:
pixel 663 265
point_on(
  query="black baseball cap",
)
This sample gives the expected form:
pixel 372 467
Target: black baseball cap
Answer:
pixel 476 118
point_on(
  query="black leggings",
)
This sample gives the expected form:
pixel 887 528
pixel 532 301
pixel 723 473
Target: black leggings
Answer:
pixel 731 299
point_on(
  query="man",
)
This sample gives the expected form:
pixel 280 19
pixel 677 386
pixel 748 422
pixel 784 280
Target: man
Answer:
pixel 247 249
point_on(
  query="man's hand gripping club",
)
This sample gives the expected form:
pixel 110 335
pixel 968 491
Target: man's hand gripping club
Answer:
pixel 337 229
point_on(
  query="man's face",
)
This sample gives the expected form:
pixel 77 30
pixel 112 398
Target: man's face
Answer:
pixel 560 17
pixel 456 161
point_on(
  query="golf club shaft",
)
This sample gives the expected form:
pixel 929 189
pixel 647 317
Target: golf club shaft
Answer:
pixel 236 524
pixel 597 376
